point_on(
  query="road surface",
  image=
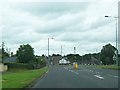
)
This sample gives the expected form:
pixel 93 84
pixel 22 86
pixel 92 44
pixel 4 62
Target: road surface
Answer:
pixel 64 76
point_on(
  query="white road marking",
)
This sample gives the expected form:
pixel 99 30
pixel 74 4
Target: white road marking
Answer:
pixel 114 76
pixel 76 73
pixel 97 72
pixel 91 70
pixel 98 76
pixel 65 68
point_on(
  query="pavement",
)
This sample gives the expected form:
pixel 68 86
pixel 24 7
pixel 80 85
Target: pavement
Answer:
pixel 65 76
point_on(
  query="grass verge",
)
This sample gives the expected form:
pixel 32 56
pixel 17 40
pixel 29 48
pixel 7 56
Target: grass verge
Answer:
pixel 0 81
pixel 22 78
pixel 110 67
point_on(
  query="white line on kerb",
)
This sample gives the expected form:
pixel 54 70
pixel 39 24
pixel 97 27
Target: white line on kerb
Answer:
pixel 98 76
pixel 47 72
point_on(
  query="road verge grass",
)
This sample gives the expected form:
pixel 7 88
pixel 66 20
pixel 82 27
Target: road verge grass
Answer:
pixel 21 79
pixel 0 81
pixel 109 67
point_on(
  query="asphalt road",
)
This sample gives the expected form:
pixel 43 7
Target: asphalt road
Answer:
pixel 85 77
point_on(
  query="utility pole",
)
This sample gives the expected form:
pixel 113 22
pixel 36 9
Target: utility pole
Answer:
pixel 74 50
pixel 3 44
pixel 74 53
pixel 48 52
pixel 61 51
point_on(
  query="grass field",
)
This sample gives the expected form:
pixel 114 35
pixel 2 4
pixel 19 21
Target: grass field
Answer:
pixel 21 79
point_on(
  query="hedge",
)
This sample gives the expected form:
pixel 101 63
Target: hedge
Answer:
pixel 18 66
pixel 23 66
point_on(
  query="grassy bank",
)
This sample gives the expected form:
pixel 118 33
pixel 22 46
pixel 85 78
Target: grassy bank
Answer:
pixel 21 79
pixel 109 67
pixel 0 81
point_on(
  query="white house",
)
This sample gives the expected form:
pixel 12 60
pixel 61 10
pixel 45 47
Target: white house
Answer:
pixel 63 62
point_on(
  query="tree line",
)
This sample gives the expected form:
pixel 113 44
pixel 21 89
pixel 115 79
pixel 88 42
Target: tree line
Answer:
pixel 25 58
pixel 25 54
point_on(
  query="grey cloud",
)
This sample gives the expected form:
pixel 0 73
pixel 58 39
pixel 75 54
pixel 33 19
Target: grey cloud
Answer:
pixel 23 37
pixel 62 21
pixel 72 37
pixel 101 22
pixel 61 24
pixel 92 36
pixel 51 8
pixel 19 40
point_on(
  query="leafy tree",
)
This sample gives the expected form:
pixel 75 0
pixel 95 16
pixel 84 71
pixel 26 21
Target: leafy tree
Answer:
pixel 96 55
pixel 4 54
pixel 56 55
pixel 12 54
pixel 87 57
pixel 106 55
pixel 70 57
pixel 25 54
pixel 74 57
pixel 40 60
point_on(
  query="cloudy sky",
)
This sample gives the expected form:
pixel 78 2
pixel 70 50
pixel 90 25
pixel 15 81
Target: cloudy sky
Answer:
pixel 79 23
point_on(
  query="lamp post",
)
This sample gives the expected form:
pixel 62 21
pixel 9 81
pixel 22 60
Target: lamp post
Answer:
pixel 48 52
pixel 116 18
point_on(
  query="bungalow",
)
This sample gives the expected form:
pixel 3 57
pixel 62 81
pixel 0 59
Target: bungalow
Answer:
pixel 63 62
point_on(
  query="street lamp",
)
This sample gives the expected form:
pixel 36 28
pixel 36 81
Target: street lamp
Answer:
pixel 48 51
pixel 116 18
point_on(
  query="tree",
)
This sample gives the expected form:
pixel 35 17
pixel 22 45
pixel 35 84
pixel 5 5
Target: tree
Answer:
pixel 74 57
pixel 40 60
pixel 106 55
pixel 25 54
pixel 4 53
pixel 11 54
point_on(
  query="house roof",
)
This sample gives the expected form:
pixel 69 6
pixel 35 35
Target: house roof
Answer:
pixel 10 59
